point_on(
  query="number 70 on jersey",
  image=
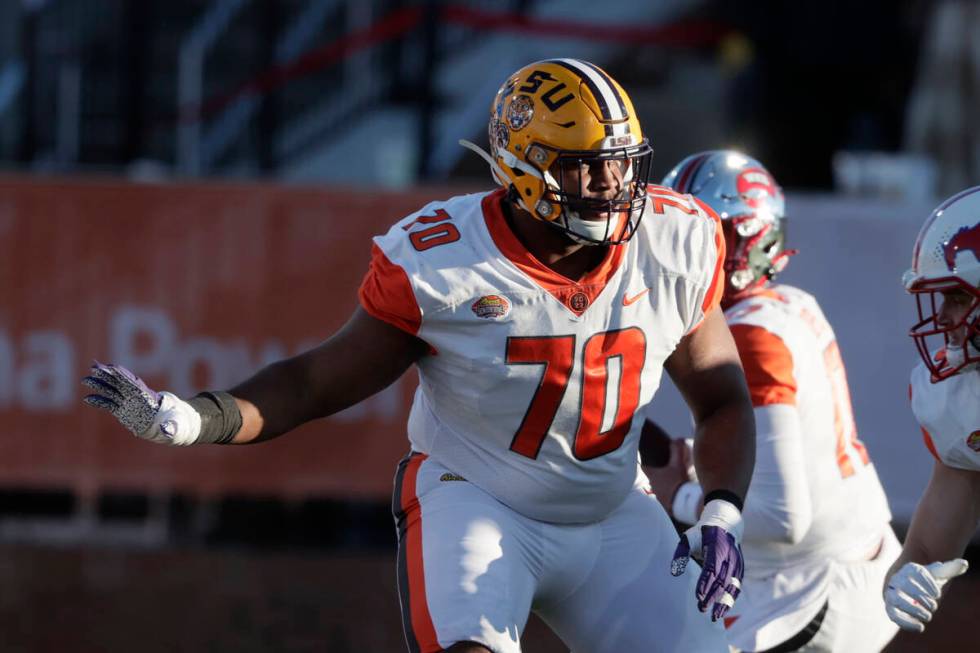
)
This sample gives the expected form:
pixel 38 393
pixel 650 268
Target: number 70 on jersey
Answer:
pixel 557 355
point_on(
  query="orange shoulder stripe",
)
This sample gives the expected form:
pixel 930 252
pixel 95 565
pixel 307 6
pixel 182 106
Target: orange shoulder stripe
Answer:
pixel 386 293
pixel 713 297
pixel 929 444
pixel 768 365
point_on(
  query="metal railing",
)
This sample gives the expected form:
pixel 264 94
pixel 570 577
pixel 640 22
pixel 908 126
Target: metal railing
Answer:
pixel 190 80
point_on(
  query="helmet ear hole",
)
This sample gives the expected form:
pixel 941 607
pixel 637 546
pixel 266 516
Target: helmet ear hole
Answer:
pixel 537 155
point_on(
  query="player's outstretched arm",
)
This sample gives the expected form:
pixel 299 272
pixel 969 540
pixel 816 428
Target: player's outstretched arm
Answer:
pixel 706 369
pixel 364 357
pixel 944 520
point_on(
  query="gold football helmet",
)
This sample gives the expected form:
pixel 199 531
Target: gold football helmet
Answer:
pixel 550 121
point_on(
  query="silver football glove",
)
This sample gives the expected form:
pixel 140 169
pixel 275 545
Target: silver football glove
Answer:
pixel 913 592
pixel 159 417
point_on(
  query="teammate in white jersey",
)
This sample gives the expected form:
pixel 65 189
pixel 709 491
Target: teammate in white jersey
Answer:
pixel 817 537
pixel 540 317
pixel 945 395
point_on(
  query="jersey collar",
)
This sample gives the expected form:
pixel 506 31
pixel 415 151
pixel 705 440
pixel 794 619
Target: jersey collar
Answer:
pixel 576 296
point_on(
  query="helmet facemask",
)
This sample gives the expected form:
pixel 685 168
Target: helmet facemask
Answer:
pixel 945 279
pixel 568 194
pixel 550 121
pixel 754 252
pixel 942 357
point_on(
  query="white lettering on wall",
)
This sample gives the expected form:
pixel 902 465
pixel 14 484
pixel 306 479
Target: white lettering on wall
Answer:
pixel 37 374
pixel 39 371
pixel 142 339
pixel 146 341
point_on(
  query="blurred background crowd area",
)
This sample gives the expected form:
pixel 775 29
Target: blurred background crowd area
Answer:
pixel 290 132
pixel 872 96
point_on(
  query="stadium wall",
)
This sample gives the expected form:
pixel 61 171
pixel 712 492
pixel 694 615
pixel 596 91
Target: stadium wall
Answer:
pixel 195 286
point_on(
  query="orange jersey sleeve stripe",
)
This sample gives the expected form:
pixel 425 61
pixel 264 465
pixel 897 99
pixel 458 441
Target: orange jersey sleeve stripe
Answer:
pixel 929 444
pixel 386 293
pixel 768 365
pixel 717 288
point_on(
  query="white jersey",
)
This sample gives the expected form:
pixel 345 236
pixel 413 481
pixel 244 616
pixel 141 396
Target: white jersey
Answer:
pixel 533 379
pixel 796 379
pixel 949 414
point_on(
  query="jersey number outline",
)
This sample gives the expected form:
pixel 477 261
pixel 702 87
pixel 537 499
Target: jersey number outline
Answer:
pixel 557 355
pixel 662 197
pixel 440 233
pixel 844 425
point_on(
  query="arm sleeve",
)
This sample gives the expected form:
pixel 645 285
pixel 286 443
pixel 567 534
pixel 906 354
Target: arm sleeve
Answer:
pixel 386 293
pixel 778 506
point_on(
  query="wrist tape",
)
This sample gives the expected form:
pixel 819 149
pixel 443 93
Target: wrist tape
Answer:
pixel 721 513
pixel 724 495
pixel 220 417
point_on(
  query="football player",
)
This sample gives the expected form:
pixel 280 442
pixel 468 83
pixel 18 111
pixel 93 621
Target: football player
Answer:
pixel 817 538
pixel 945 395
pixel 540 317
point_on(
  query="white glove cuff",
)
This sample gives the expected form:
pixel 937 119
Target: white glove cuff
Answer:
pixel 177 420
pixel 684 507
pixel 723 514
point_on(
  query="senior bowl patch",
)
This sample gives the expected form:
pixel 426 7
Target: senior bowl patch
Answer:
pixel 491 307
pixel 973 441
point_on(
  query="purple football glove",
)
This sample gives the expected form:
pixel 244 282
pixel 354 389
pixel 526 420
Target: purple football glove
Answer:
pixel 123 394
pixel 714 542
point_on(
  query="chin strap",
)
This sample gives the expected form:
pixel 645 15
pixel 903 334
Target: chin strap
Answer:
pixel 498 174
pixel 597 231
pixel 956 356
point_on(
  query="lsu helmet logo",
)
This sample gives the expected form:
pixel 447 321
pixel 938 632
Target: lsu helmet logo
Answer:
pixel 964 240
pixel 755 185
pixel 973 441
pixel 491 307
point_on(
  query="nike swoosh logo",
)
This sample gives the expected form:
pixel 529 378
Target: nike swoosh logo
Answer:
pixel 627 300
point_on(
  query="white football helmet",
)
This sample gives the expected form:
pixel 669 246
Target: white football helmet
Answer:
pixel 946 257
